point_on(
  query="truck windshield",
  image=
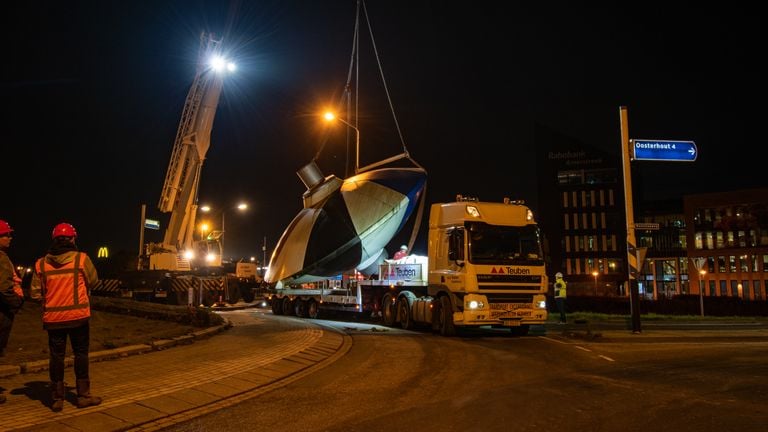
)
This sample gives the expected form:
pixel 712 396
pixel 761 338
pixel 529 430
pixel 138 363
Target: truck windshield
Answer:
pixel 504 244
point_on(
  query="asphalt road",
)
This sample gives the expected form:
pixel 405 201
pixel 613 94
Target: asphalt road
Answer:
pixel 662 380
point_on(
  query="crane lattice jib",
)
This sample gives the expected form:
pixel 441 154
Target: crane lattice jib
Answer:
pixel 179 167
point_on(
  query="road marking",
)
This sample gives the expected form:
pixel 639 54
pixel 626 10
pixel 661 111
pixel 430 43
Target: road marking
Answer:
pixel 582 348
pixel 555 340
pixel 606 358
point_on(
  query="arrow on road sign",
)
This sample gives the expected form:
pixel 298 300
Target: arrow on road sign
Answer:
pixel 664 150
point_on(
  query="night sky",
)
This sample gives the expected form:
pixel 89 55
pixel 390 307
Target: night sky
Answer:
pixel 94 91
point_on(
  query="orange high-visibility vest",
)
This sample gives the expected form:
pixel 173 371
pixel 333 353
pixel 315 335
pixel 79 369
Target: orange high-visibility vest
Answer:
pixel 65 295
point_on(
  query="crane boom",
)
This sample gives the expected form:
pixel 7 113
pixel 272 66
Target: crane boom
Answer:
pixel 193 138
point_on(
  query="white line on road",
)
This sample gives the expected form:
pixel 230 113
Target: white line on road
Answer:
pixel 606 358
pixel 583 349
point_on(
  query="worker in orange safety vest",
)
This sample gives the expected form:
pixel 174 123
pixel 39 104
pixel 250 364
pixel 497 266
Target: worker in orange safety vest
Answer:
pixel 62 281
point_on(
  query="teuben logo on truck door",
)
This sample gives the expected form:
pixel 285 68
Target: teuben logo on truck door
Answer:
pixel 510 270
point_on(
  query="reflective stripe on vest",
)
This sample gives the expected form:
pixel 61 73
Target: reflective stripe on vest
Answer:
pixel 65 296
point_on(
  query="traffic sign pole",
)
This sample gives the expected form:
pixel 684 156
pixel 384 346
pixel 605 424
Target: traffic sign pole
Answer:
pixel 632 264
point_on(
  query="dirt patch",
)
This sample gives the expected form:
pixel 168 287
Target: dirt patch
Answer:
pixel 29 342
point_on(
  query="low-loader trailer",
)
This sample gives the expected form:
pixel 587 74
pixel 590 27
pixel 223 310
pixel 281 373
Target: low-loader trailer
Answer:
pixel 484 267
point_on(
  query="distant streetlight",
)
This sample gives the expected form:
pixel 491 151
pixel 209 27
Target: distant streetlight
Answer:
pixel 329 117
pixel 240 207
pixel 703 273
pixel 203 229
pixel 594 273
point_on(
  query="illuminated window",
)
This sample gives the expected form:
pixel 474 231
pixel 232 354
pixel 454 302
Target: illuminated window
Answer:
pixel 610 196
pixel 732 262
pixel 721 264
pixel 602 197
pixel 565 199
pixel 698 242
pixel 565 222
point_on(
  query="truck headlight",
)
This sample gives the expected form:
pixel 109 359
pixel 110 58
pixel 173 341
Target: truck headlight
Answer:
pixel 542 304
pixel 474 304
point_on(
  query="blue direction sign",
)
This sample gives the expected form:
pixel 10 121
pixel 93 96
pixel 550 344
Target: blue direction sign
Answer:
pixel 664 150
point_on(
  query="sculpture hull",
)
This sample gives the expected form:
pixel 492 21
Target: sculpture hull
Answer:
pixel 349 228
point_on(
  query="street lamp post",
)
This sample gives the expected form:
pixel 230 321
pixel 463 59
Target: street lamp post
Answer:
pixel 595 273
pixel 329 116
pixel 240 207
pixel 702 283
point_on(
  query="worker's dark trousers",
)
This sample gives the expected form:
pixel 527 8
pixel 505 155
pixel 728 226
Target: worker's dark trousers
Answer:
pixel 57 344
pixel 6 323
pixel 561 307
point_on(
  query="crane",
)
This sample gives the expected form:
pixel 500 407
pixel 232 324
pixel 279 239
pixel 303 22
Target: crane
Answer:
pixel 182 179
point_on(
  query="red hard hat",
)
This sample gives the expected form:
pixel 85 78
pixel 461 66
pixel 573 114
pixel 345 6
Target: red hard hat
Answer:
pixel 64 230
pixel 5 228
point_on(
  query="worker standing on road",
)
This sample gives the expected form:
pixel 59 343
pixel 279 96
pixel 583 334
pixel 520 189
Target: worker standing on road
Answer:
pixel 560 295
pixel 402 253
pixel 63 280
pixel 11 295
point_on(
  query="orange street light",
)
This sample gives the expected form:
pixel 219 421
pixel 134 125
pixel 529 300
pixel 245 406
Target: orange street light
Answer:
pixel 595 273
pixel 702 283
pixel 329 117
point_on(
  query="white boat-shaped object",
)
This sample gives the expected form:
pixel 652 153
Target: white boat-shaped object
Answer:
pixel 345 224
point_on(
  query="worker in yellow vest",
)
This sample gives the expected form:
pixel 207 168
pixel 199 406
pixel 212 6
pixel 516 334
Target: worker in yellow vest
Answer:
pixel 560 295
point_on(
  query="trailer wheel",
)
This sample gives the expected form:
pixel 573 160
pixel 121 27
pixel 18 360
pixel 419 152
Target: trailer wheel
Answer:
pixel 404 313
pixel 447 328
pixel 388 312
pixel 300 308
pixel 288 307
pixel 312 309
pixel 277 306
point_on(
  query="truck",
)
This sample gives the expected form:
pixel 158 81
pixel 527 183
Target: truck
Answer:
pixel 484 267
pixel 183 269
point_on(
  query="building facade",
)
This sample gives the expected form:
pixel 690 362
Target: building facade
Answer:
pixel 581 213
pixel 727 235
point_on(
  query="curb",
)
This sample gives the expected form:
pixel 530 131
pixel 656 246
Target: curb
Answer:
pixel 97 356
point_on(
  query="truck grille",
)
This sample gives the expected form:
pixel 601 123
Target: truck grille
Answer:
pixel 496 278
pixel 509 298
pixel 509 287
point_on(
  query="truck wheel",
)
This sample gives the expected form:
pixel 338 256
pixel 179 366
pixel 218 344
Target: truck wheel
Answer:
pixel 246 293
pixel 446 317
pixel 312 309
pixel 300 308
pixel 388 313
pixel 277 306
pixel 404 312
pixel 520 330
pixel 288 307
